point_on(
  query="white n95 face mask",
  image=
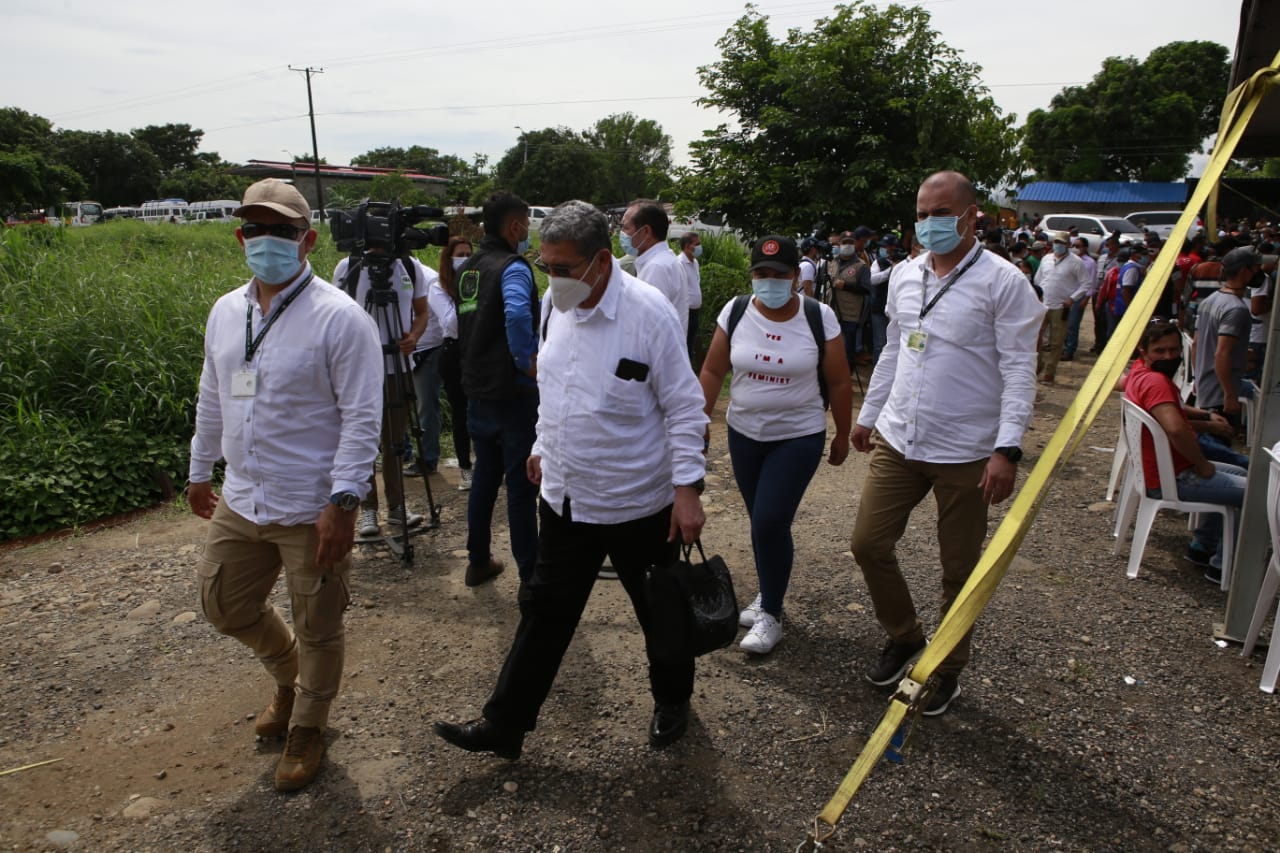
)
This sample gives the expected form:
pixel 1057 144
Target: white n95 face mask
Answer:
pixel 567 292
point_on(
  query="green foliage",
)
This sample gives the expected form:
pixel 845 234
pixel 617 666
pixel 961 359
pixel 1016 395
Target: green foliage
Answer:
pixel 719 285
pixel 174 146
pixel 463 177
pixel 396 185
pixel 1135 120
pixel 726 250
pixel 21 130
pixel 204 182
pixel 907 106
pixel 117 168
pixel 635 158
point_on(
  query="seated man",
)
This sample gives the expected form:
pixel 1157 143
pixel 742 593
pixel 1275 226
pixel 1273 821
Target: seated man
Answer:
pixel 1150 385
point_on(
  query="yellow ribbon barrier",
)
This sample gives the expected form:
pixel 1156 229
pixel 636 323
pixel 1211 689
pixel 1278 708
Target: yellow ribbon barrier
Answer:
pixel 1094 393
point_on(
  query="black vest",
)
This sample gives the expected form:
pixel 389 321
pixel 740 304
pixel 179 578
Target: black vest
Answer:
pixel 488 372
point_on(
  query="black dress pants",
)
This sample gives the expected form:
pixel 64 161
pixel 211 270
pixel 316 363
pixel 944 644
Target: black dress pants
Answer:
pixel 570 555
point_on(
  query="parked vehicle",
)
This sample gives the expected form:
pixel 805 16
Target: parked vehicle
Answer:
pixel 1161 222
pixel 164 210
pixel 121 213
pixel 537 213
pixel 1093 227
pixel 80 213
pixel 212 211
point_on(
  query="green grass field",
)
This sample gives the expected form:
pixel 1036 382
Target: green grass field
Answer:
pixel 101 342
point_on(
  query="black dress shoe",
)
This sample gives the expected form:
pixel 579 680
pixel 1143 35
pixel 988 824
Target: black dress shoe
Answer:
pixel 481 735
pixel 669 724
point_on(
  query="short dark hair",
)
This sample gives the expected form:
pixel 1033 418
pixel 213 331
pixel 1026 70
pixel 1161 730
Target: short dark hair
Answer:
pixel 687 238
pixel 650 213
pixel 500 207
pixel 1156 330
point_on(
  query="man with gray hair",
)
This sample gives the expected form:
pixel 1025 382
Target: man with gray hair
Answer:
pixel 618 459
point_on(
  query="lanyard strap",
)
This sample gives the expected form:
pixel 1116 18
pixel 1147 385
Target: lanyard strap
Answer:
pixel 251 343
pixel 925 309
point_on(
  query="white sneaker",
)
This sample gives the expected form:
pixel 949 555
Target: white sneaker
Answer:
pixel 763 636
pixel 393 517
pixel 464 482
pixel 748 617
pixel 368 522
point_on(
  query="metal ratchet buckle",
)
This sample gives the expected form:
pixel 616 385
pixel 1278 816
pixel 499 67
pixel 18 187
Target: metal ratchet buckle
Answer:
pixel 815 841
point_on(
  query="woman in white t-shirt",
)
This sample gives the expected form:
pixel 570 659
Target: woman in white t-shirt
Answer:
pixel 777 424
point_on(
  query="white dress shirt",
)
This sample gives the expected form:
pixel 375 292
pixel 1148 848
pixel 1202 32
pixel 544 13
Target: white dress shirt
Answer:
pixel 406 290
pixel 968 386
pixel 1063 279
pixel 660 267
pixel 693 279
pixel 310 429
pixel 442 316
pixel 617 447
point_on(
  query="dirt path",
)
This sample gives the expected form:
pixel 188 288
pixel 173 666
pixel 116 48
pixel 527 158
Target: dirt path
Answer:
pixel 108 667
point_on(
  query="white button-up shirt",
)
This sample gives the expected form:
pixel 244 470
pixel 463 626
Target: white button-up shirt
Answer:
pixel 968 386
pixel 617 447
pixel 693 278
pixel 310 429
pixel 660 267
pixel 1063 279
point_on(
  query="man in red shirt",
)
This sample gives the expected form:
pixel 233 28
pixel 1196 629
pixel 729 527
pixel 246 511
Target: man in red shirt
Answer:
pixel 1150 385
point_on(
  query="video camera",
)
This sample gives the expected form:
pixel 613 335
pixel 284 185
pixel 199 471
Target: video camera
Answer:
pixel 387 226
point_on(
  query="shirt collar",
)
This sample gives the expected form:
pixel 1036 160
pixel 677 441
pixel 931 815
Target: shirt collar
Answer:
pixel 608 304
pixel 964 262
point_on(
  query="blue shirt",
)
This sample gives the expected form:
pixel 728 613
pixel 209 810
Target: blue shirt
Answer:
pixel 522 339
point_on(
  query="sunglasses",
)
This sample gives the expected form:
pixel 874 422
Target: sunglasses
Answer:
pixel 257 229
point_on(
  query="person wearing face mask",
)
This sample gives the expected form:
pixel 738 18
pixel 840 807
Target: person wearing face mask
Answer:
pixel 291 399
pixel 1150 385
pixel 1221 345
pixel 442 319
pixel 644 234
pixel 452 258
pixel 1063 279
pixel 498 339
pixel 1079 301
pixel 690 251
pixel 777 425
pixel 850 286
pixel 881 268
pixel 619 465
pixel 944 412
pixel 1132 269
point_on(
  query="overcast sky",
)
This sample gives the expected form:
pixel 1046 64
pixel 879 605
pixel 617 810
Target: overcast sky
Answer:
pixel 460 77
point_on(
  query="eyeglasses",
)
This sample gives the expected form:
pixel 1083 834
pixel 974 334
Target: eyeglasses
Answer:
pixel 555 269
pixel 257 229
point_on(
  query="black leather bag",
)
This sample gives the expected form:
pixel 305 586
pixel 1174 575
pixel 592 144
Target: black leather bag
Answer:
pixel 692 605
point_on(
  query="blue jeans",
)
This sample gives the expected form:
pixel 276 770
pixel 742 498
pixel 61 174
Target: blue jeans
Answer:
pixel 879 334
pixel 772 476
pixel 426 385
pixel 1226 486
pixel 502 434
pixel 1073 327
pixel 1216 451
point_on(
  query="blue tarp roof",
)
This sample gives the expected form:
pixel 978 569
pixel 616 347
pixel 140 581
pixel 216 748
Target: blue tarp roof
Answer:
pixel 1105 192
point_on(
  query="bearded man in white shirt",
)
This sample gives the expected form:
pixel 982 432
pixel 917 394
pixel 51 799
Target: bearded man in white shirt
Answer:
pixel 644 234
pixel 291 398
pixel 619 463
pixel 945 412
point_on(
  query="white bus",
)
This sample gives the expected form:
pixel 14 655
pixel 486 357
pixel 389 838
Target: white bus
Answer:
pixel 164 210
pixel 212 211
pixel 122 212
pixel 79 213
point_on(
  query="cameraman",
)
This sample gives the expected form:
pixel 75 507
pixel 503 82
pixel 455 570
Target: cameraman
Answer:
pixel 411 303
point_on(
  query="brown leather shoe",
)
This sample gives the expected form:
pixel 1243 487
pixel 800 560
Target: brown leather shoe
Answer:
pixel 274 722
pixel 478 573
pixel 301 759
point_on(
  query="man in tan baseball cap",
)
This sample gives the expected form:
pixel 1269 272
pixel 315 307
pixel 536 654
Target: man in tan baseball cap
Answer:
pixel 275 194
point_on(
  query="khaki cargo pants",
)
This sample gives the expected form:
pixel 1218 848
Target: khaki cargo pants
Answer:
pixel 237 572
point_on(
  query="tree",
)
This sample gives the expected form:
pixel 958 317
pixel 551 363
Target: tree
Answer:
pixel 174 144
pixel 840 123
pixel 635 157
pixel 20 129
pixel 560 165
pixel 396 185
pixel 205 181
pixel 117 168
pixel 29 180
pixel 463 177
pixel 1135 120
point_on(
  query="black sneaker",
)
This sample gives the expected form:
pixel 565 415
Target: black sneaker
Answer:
pixel 1213 575
pixel 1197 555
pixel 944 693
pixel 894 662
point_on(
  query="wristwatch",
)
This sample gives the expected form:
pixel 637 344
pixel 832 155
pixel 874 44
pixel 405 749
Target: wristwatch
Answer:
pixel 1013 454
pixel 345 501
pixel 699 485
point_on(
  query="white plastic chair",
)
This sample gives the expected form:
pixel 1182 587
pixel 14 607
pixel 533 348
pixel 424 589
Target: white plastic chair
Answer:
pixel 1118 466
pixel 1248 410
pixel 1185 377
pixel 1270 584
pixel 1134 500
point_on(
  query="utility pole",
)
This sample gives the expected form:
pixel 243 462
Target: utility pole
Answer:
pixel 524 139
pixel 315 149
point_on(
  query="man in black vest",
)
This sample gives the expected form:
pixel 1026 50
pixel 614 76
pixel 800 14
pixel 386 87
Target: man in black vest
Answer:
pixel 498 336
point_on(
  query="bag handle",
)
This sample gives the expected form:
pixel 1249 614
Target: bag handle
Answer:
pixel 687 550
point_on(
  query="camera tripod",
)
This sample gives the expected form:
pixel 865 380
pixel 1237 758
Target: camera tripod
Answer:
pixel 382 303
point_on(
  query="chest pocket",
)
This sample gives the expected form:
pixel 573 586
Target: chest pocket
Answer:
pixel 625 399
pixel 289 367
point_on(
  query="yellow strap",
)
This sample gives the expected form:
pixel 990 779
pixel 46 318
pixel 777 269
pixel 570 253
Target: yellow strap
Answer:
pixel 1084 409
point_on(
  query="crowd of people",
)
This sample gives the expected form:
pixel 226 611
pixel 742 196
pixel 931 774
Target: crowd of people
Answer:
pixel 585 404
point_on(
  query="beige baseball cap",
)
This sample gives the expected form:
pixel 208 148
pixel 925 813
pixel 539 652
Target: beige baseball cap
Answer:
pixel 275 194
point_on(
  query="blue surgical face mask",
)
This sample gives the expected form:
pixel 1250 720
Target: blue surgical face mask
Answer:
pixel 1059 249
pixel 938 234
pixel 697 251
pixel 772 292
pixel 523 245
pixel 883 253
pixel 274 260
pixel 624 240
pixel 1141 260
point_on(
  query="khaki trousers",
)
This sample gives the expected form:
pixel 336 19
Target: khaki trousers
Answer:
pixel 893 488
pixel 1047 360
pixel 236 574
